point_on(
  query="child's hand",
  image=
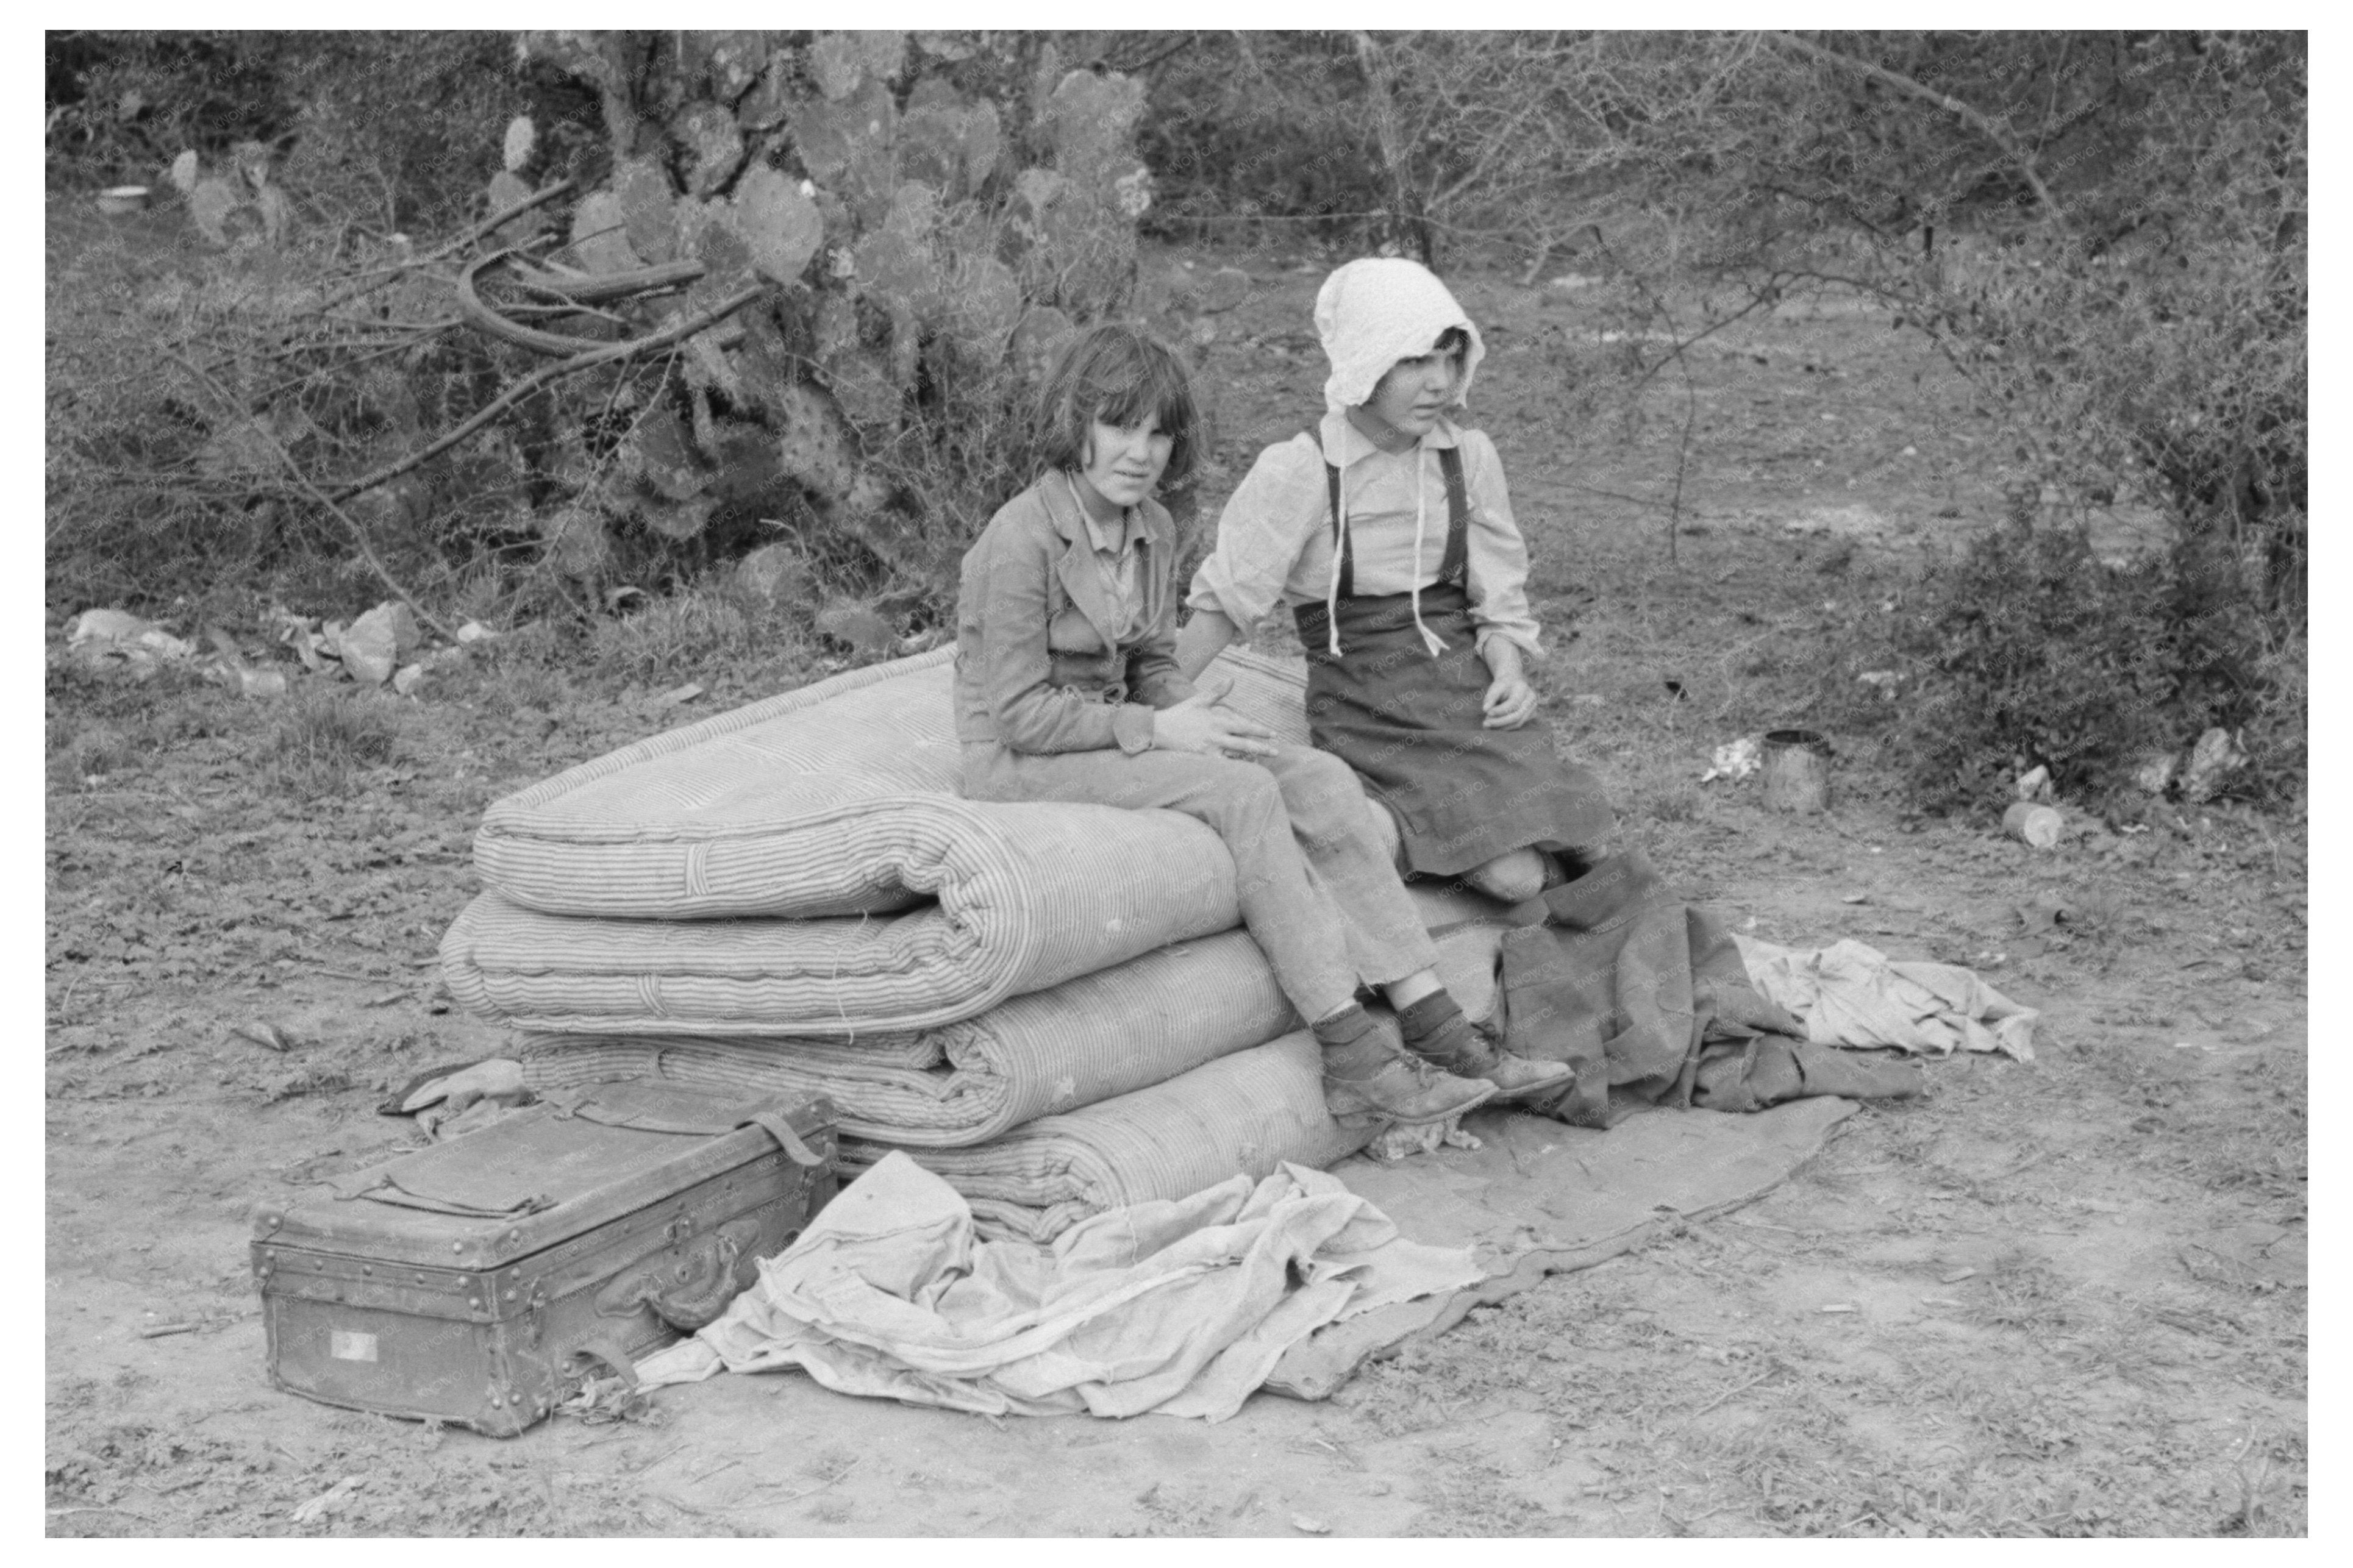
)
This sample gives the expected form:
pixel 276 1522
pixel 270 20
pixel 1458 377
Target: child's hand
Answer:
pixel 1199 724
pixel 1510 702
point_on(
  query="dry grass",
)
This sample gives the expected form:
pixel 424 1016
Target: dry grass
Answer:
pixel 329 736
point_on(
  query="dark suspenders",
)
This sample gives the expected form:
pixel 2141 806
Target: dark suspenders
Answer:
pixel 1451 563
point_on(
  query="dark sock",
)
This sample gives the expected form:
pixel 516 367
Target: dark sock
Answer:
pixel 1428 1019
pixel 1344 1027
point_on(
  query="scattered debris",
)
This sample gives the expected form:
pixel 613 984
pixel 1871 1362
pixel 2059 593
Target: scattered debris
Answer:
pixel 604 1400
pixel 233 672
pixel 2045 910
pixel 1309 1526
pixel 121 641
pixel 265 1034
pixel 1841 1307
pixel 327 1502
pixel 157 1331
pixel 2034 785
pixel 2155 772
pixel 2217 754
pixel 1394 1144
pixel 1885 681
pixel 371 647
pixel 1956 1276
pixel 678 694
pixel 1736 760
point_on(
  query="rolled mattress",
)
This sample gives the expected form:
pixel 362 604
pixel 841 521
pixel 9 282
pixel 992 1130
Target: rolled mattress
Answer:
pixel 836 799
pixel 1248 1111
pixel 1028 897
pixel 1088 1040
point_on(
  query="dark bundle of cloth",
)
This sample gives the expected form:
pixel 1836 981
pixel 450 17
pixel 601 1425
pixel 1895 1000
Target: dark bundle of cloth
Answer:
pixel 1647 998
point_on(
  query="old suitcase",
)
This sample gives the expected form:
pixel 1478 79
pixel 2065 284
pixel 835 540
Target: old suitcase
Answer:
pixel 478 1280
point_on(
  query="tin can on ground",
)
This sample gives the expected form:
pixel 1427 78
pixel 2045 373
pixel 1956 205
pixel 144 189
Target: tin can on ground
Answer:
pixel 2030 824
pixel 1796 771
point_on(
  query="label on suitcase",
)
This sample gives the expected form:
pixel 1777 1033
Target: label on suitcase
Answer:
pixel 477 1282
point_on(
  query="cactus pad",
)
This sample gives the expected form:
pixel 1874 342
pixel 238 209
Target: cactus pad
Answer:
pixel 813 444
pixel 896 265
pixel 723 250
pixel 600 235
pixel 659 451
pixel 729 61
pixel 848 143
pixel 713 145
pixel 763 108
pixel 836 65
pixel 646 198
pixel 521 138
pixel 780 227
pixel 506 190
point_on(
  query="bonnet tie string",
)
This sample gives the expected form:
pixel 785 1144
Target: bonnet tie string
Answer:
pixel 1429 639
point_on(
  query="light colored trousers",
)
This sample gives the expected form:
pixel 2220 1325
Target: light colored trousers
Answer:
pixel 1318 890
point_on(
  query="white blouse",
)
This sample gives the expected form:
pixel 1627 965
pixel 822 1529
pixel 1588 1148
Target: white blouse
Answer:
pixel 1274 537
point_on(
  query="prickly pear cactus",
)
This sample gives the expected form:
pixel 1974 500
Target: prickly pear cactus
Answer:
pixel 928 249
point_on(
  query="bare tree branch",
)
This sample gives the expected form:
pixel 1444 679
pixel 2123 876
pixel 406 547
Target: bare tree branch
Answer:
pixel 294 471
pixel 603 354
pixel 2021 158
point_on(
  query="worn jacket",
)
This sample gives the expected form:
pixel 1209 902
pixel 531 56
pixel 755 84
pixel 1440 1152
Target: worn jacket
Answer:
pixel 1036 669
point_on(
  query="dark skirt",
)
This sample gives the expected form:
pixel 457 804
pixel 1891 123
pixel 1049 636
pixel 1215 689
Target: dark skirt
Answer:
pixel 1409 725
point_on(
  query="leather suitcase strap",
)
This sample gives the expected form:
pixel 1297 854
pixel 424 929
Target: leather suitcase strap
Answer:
pixel 790 1142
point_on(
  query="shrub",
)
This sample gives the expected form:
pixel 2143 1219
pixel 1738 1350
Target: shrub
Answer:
pixel 2031 650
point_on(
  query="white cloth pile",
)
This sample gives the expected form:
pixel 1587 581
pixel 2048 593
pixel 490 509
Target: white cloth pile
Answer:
pixel 1179 1306
pixel 1851 994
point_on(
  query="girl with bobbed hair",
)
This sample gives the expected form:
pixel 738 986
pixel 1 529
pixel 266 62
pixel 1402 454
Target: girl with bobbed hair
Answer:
pixel 1067 690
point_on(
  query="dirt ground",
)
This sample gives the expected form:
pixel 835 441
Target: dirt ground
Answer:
pixel 2062 1297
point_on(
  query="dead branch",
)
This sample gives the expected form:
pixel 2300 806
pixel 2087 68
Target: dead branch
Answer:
pixel 352 524
pixel 451 247
pixel 1976 119
pixel 612 286
pixel 586 359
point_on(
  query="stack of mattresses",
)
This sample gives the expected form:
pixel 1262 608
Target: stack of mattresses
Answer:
pixel 1051 1006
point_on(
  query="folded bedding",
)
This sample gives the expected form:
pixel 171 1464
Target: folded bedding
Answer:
pixel 1248 1111
pixel 1074 890
pixel 837 799
pixel 854 978
pixel 1088 1040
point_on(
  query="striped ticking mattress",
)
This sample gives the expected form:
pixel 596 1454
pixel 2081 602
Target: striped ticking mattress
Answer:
pixel 836 799
pixel 1085 1041
pixel 854 978
pixel 1029 896
pixel 1248 1111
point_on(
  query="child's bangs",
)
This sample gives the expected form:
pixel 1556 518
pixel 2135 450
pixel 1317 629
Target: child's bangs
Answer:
pixel 1155 386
